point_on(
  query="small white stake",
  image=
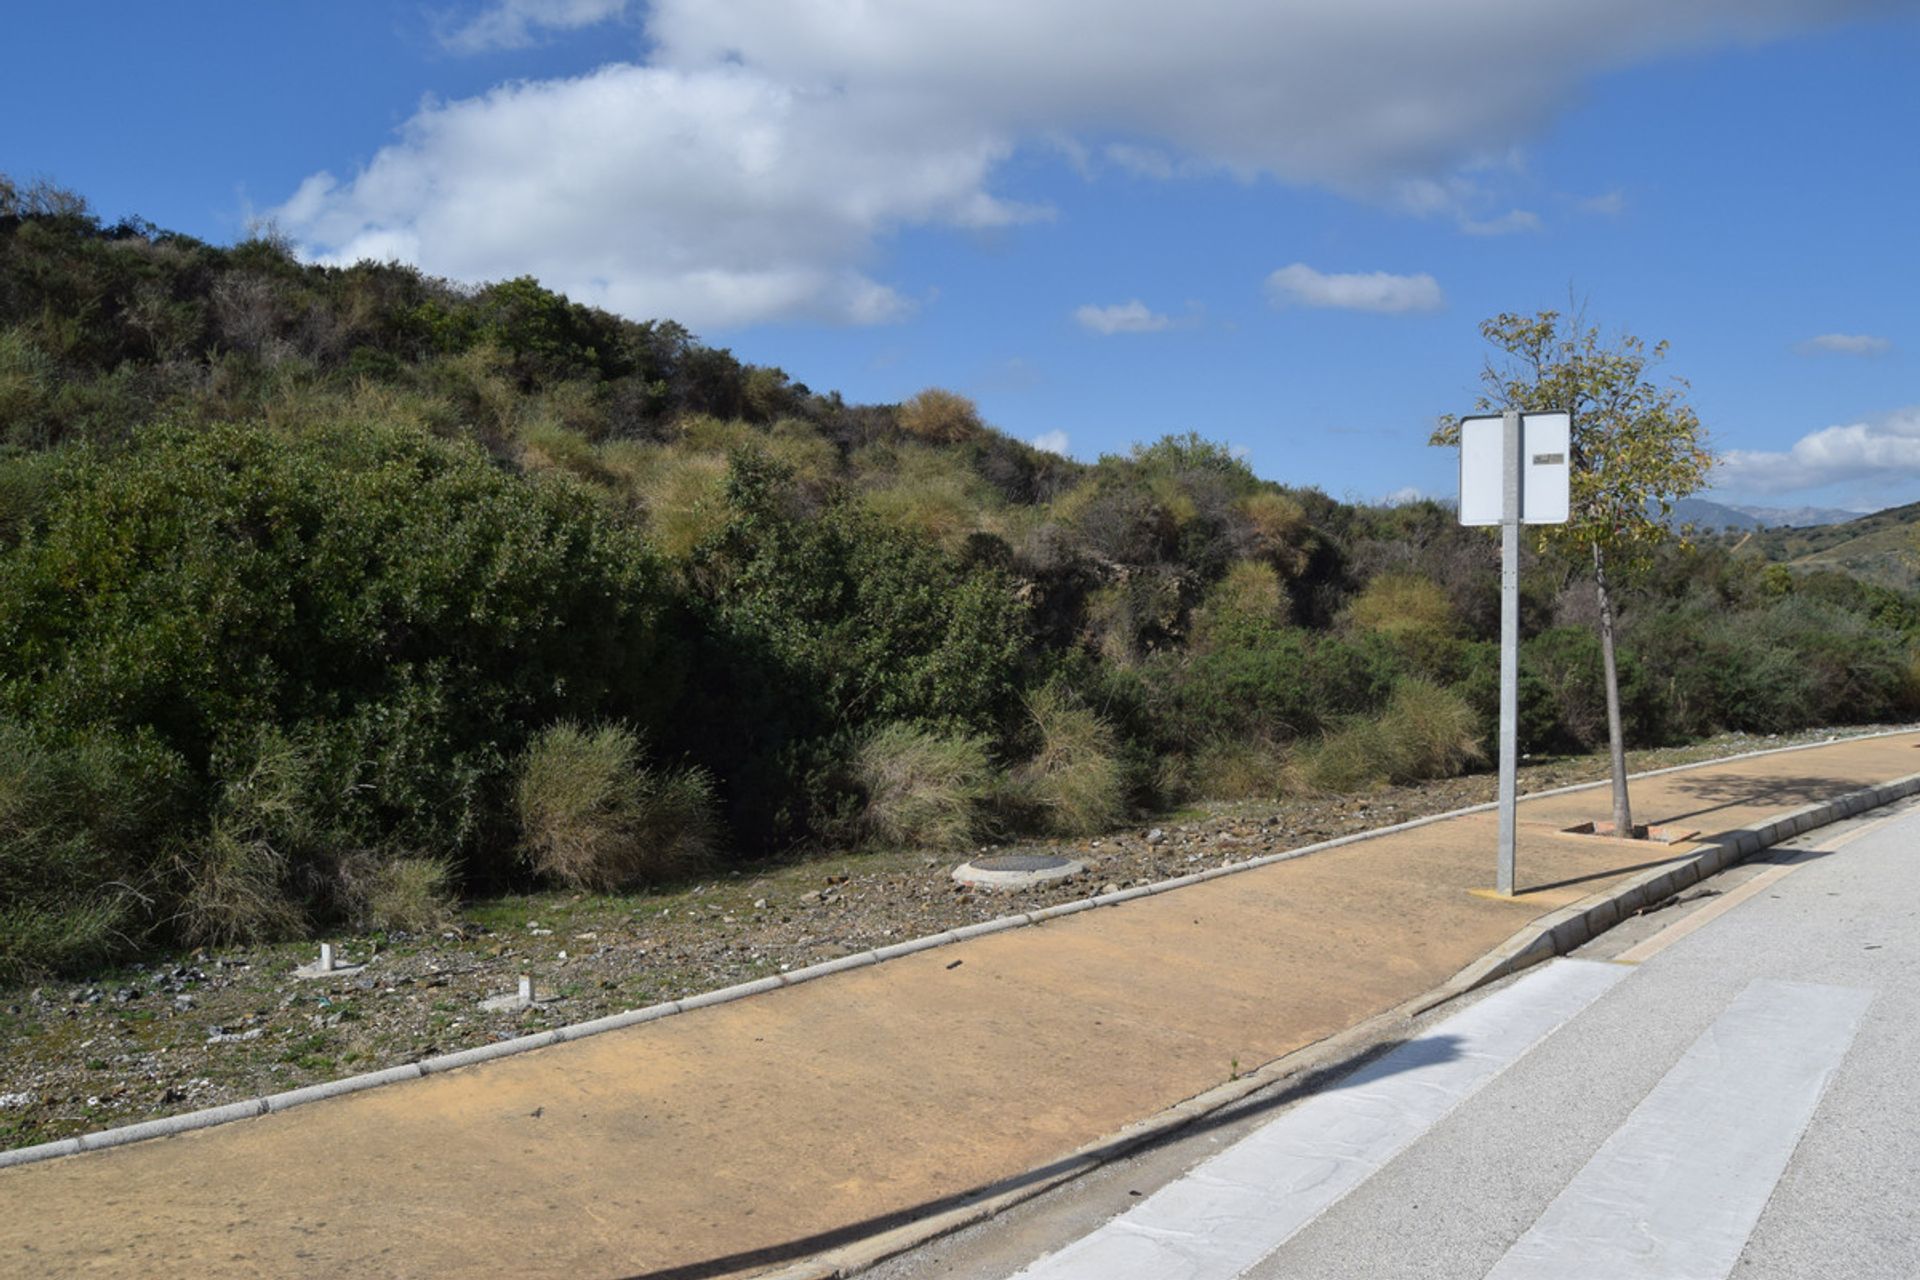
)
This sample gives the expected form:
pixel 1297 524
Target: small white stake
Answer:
pixel 326 957
pixel 526 988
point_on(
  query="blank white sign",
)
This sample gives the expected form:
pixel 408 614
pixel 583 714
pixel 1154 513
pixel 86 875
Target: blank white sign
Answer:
pixel 1545 455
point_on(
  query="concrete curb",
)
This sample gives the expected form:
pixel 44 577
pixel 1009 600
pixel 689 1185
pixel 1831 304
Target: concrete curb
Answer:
pixel 1559 932
pixel 188 1121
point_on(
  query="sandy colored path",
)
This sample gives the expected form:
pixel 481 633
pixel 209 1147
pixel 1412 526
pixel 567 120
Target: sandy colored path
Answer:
pixel 739 1137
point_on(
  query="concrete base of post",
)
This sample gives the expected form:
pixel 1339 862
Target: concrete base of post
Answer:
pixel 513 1001
pixel 327 966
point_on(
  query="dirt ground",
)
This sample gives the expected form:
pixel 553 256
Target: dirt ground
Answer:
pixel 195 1029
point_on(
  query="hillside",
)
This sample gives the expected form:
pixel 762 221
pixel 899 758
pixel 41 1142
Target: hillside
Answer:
pixel 331 593
pixel 1882 548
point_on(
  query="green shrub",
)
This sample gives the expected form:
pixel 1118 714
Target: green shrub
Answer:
pixel 816 627
pixel 1074 781
pixel 593 816
pixel 923 788
pixel 1285 684
pixel 398 606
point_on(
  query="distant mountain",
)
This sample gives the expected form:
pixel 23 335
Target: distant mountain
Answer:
pixel 1799 517
pixel 1706 515
pixel 1710 516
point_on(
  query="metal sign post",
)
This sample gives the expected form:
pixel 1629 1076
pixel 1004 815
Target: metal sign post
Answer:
pixel 1510 478
pixel 1513 471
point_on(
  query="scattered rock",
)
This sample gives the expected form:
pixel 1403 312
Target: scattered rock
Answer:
pixel 1156 836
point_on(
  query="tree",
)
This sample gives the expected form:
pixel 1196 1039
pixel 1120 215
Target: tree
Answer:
pixel 1637 446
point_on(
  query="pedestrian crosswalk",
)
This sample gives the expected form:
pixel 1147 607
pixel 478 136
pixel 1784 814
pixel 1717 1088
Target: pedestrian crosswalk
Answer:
pixel 1674 1192
pixel 1677 1189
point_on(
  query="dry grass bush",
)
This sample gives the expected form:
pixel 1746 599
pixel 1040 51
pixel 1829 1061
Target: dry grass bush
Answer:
pixel 1279 528
pixel 236 890
pixel 1423 732
pixel 939 416
pixel 924 789
pixel 704 433
pixel 1129 617
pixel 1436 732
pixel 81 817
pixel 593 816
pixel 1175 500
pixel 1248 599
pixel 1075 782
pixel 1395 603
pixel 237 878
pixel 383 402
pixel 1240 769
pixel 399 893
pixel 37 938
pixel 548 446
pixel 925 491
pixel 485 398
pixel 799 445
pixel 684 495
pixel 576 406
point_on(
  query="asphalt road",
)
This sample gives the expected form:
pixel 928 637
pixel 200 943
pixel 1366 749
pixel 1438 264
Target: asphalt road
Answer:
pixel 1728 1087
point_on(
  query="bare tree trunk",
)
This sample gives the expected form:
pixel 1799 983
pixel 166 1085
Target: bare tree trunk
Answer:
pixel 1622 811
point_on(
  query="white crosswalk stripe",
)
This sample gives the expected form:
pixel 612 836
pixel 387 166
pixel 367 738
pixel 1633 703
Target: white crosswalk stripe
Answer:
pixel 1244 1203
pixel 1677 1189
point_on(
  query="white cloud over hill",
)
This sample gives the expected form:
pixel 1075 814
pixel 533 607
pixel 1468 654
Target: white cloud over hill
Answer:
pixel 750 168
pixel 1880 450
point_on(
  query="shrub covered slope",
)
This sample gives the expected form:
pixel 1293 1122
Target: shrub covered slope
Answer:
pixel 325 593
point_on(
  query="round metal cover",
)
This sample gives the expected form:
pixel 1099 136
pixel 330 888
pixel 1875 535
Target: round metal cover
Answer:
pixel 1021 862
pixel 1016 870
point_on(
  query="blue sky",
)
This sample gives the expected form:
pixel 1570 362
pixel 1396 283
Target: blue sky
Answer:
pixel 1278 225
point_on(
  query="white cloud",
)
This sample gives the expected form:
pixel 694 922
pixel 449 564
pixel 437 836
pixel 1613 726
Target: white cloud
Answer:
pixel 717 197
pixel 1845 344
pixel 1122 317
pixel 1052 442
pixel 1401 496
pixel 1240 452
pixel 1505 225
pixel 1884 449
pixel 516 24
pixel 1299 284
pixel 752 166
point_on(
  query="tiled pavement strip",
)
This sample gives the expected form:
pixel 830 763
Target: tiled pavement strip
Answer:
pixel 808 1121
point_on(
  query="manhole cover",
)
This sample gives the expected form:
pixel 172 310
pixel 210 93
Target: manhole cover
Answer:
pixel 1021 862
pixel 1016 870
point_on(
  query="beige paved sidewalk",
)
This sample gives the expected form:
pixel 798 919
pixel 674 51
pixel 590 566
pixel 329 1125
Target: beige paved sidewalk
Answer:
pixel 738 1137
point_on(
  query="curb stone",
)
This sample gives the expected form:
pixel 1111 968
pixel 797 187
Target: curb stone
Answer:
pixel 1527 947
